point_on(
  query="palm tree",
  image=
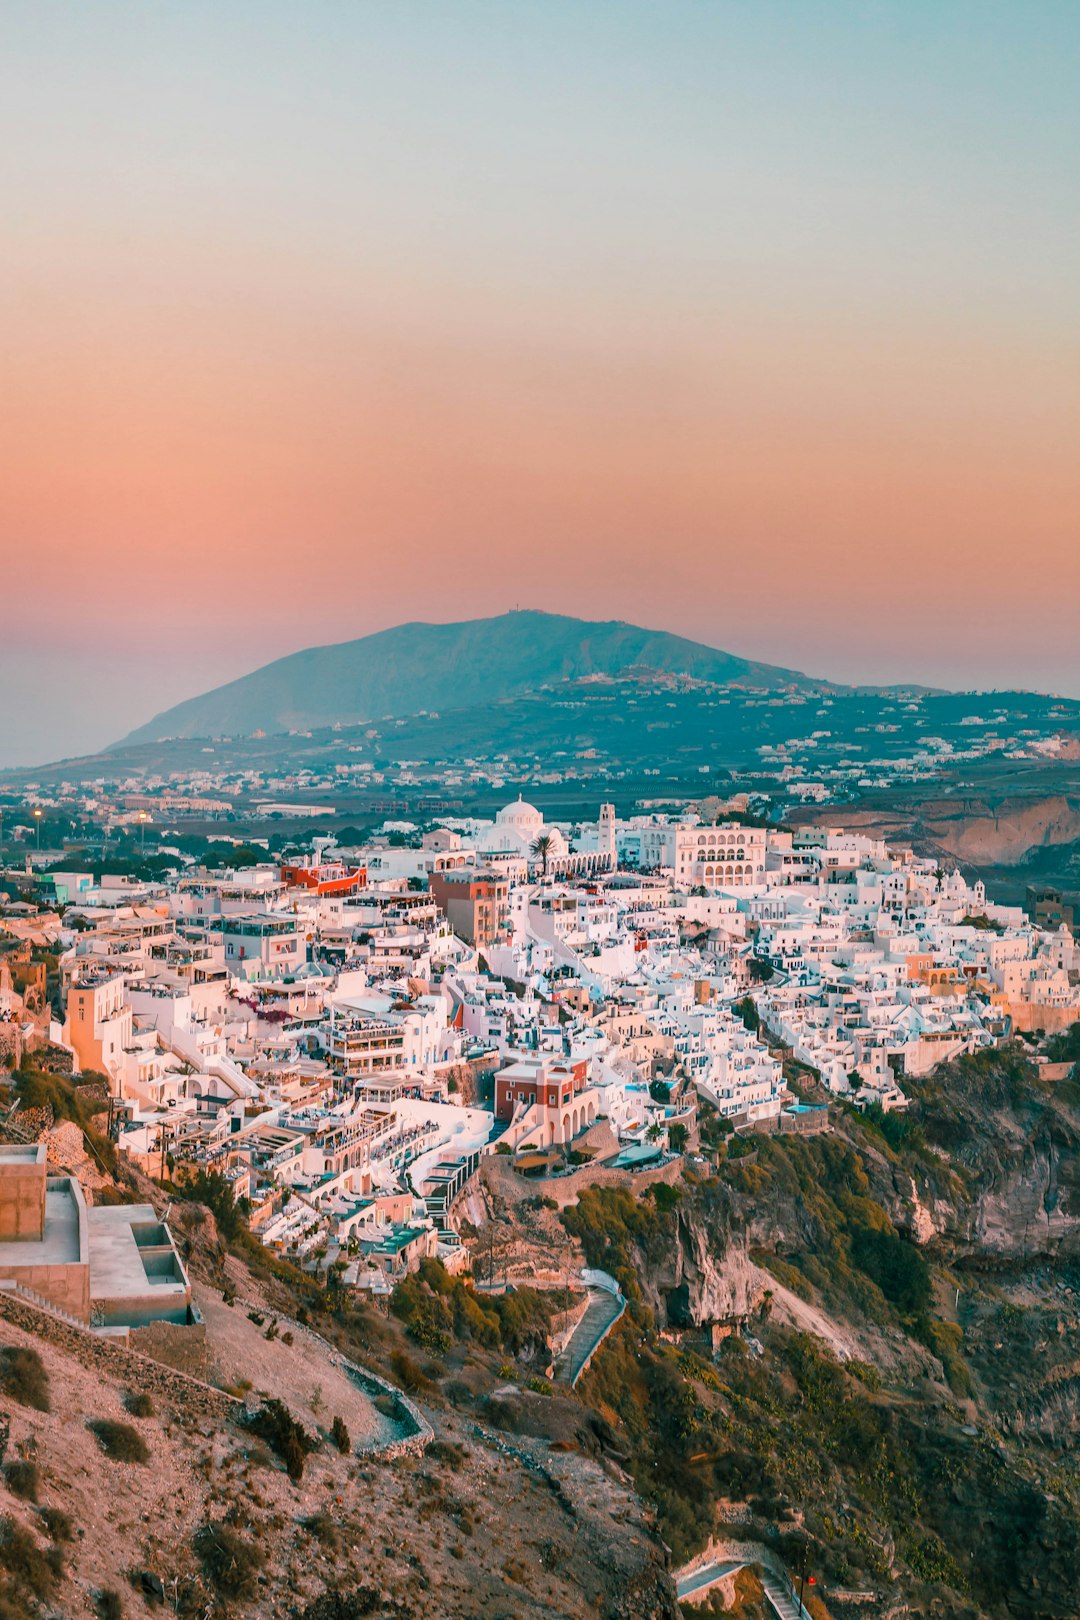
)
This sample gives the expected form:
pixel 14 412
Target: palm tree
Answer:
pixel 541 848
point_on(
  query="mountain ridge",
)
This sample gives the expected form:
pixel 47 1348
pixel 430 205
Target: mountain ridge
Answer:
pixel 418 666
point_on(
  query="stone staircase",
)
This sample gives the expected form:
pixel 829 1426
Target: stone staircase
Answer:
pixel 30 1296
pixel 603 1311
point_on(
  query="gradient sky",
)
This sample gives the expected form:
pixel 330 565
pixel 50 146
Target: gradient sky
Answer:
pixel 756 322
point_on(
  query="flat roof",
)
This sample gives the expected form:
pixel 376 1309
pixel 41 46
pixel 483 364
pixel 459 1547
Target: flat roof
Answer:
pixel 59 1244
pixel 116 1262
pixel 22 1153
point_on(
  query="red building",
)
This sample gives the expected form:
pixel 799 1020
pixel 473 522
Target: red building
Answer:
pixel 547 1081
pixel 332 878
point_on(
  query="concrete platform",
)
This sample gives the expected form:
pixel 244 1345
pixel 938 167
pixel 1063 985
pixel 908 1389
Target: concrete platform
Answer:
pixel 59 1243
pixel 117 1269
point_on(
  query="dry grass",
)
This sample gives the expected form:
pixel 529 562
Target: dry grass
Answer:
pixel 119 1441
pixel 23 1377
pixel 230 1562
pixel 22 1479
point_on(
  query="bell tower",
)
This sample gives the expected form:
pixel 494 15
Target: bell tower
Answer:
pixel 606 839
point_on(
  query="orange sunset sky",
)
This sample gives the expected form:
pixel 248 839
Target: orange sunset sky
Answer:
pixel 753 322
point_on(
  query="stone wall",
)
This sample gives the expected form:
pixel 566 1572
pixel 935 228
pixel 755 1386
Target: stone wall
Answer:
pixel 117 1363
pixel 65 1286
pixel 182 1347
pixel 566 1189
pixel 1029 1015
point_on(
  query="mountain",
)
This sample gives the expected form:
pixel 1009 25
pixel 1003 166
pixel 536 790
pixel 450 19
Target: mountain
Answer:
pixel 416 667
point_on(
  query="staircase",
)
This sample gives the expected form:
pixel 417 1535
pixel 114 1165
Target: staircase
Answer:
pixel 436 1206
pixel 779 1590
pixel 30 1296
pixel 783 1600
pixel 603 1311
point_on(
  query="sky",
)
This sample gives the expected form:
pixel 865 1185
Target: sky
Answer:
pixel 756 322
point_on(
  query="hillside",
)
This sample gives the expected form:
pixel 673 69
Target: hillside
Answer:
pixel 416 667
pixel 209 1472
pixel 902 1398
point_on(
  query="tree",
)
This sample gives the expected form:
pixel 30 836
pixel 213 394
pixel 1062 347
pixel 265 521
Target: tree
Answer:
pixel 541 848
pixel 747 1011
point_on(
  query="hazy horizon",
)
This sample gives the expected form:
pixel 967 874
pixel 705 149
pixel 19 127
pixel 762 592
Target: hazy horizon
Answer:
pixel 753 323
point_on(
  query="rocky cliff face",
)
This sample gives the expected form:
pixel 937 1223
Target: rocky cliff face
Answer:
pixel 707 1275
pixel 1002 1181
pixel 973 830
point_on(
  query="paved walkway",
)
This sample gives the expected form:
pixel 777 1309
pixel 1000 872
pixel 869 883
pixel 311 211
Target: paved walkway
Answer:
pixel 783 1600
pixel 702 1579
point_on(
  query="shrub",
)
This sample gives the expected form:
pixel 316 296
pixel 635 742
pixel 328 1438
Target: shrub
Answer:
pixel 339 1434
pixel 274 1423
pixel 109 1606
pixel 429 1325
pixel 230 1562
pixel 138 1404
pixel 324 1529
pixel 897 1267
pixel 212 1189
pixel 446 1451
pixel 747 1011
pixel 22 1480
pixel 58 1523
pixel 410 1375
pixel 119 1441
pixel 31 1569
pixel 23 1377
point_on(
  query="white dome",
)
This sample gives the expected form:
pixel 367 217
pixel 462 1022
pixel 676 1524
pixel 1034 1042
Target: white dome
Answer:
pixel 526 818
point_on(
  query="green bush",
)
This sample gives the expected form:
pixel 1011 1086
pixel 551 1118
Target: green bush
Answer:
pixel 429 1324
pixel 410 1375
pixel 139 1404
pixel 339 1434
pixel 289 1440
pixel 58 1523
pixel 897 1267
pixel 210 1188
pixel 31 1570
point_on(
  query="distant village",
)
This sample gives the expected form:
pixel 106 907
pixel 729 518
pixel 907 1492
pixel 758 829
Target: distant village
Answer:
pixel 344 1033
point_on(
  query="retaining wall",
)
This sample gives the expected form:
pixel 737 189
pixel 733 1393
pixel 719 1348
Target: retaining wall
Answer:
pixel 115 1362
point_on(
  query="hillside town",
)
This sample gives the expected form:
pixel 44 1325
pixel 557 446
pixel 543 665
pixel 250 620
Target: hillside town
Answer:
pixel 344 1034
